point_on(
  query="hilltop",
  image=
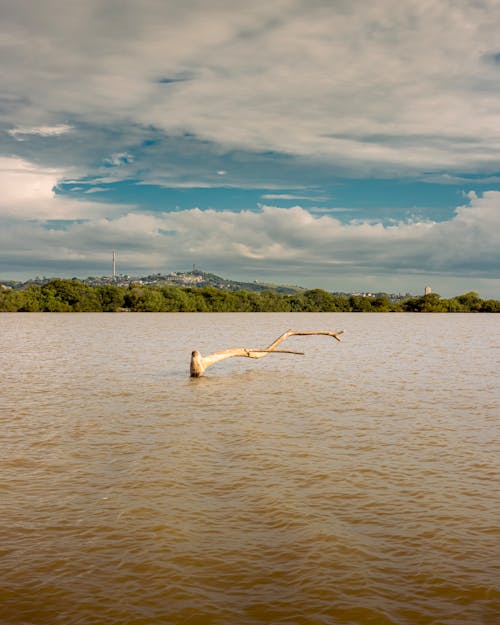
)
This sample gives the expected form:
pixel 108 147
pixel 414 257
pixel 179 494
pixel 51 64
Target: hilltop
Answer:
pixel 195 278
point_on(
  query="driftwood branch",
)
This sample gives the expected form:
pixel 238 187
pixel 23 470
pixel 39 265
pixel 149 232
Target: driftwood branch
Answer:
pixel 200 363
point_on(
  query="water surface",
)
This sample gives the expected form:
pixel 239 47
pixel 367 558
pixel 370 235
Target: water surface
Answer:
pixel 358 483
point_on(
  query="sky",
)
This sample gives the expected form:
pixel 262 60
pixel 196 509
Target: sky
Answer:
pixel 350 146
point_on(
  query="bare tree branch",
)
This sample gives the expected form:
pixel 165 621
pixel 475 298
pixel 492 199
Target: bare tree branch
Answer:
pixel 200 363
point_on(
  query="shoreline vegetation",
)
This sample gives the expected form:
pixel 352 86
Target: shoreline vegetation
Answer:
pixel 60 295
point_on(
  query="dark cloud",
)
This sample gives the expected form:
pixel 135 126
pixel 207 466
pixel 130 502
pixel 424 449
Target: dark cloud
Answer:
pixel 171 80
pixel 492 58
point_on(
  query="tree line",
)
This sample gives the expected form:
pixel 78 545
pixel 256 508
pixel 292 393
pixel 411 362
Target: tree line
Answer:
pixel 73 296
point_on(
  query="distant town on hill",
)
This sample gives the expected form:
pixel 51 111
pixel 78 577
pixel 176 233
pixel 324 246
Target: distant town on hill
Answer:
pixel 194 278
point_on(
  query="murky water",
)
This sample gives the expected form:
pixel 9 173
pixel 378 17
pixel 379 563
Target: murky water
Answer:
pixel 356 484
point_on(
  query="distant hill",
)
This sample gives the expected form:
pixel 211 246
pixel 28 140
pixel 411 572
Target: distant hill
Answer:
pixel 202 278
pixel 195 278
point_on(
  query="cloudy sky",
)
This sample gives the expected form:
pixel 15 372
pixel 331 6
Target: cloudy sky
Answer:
pixel 326 143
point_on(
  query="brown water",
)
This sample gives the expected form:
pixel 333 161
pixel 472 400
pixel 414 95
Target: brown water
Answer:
pixel 356 484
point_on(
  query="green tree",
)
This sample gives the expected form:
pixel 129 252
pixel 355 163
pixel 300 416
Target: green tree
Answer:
pixel 452 305
pixel 342 303
pixel 111 297
pixel 317 300
pixel 246 301
pixel 28 300
pixel 194 301
pixel 144 299
pixel 270 301
pixel 217 300
pixel 10 301
pixel 250 301
pixel 32 299
pixel 432 303
pixel 426 303
pixel 174 298
pixel 470 301
pixel 381 304
pixel 360 304
pixel 297 302
pixel 69 295
pixel 490 306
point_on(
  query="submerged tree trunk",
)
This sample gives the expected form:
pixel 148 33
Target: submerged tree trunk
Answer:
pixel 200 363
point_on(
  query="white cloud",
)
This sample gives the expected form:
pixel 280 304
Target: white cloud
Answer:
pixel 23 183
pixel 28 193
pixel 96 190
pixel 278 243
pixel 120 158
pixel 42 131
pixel 388 86
pixel 292 196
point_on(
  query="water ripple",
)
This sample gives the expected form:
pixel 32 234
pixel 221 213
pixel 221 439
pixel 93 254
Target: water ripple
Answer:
pixel 360 493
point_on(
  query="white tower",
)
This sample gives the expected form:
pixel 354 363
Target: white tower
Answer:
pixel 114 265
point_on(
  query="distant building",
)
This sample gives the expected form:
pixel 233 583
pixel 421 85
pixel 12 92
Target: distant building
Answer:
pixel 428 290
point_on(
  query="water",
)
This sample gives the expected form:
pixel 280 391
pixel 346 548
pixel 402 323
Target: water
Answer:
pixel 357 484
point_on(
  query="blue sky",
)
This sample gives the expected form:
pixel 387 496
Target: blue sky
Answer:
pixel 325 144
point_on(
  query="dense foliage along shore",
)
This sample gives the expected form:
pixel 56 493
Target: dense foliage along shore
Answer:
pixel 73 296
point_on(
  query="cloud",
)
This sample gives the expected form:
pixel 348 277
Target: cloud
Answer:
pixel 28 193
pixel 94 190
pixel 23 183
pixel 363 87
pixel 42 131
pixel 492 57
pixel 273 242
pixel 120 158
pixel 292 196
pixel 288 95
